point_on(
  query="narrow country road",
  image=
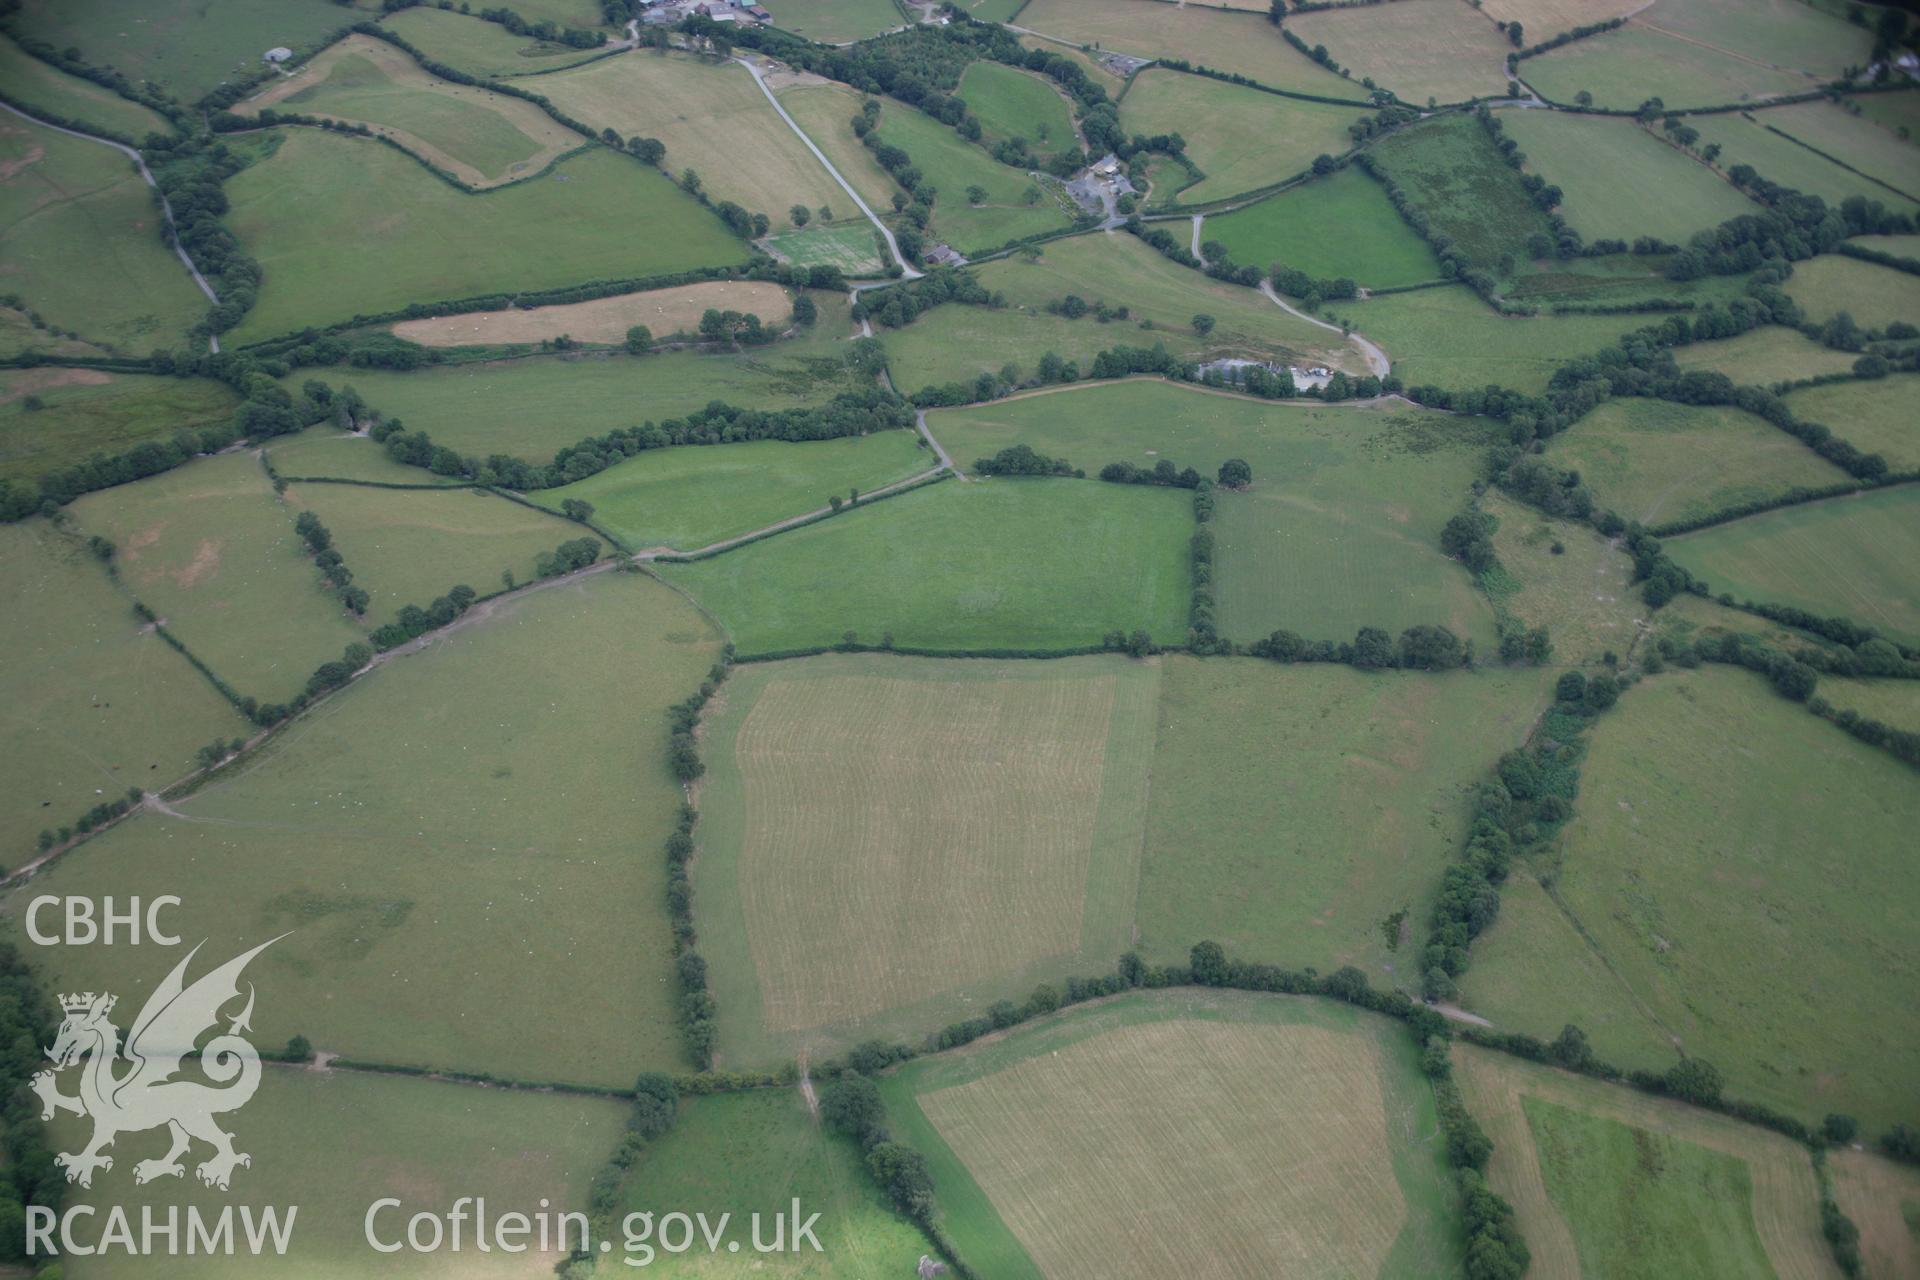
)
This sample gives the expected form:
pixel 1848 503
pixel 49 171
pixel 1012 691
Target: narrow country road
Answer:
pixel 1376 358
pixel 1198 218
pixel 920 421
pixel 893 246
pixel 166 209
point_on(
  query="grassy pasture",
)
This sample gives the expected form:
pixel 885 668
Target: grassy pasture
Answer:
pixel 513 406
pixel 1777 33
pixel 1242 139
pixel 39 86
pixel 1883 1199
pixel 1449 167
pixel 188 46
pixel 1296 809
pixel 1598 161
pixel 831 911
pixel 748 1153
pixel 1541 19
pixel 430 241
pixel 1610 1182
pixel 1582 592
pixel 1241 43
pixel 1760 357
pixel 327 451
pixel 1875 296
pixel 1342 225
pixel 954 165
pixel 1745 139
pixel 1450 338
pixel 1894 702
pixel 836 21
pixel 1341 526
pixel 1898 113
pixel 19 335
pixel 211 549
pixel 584 14
pixel 1855 556
pixel 85 411
pixel 1267 1136
pixel 1420 49
pixel 1732 862
pixel 1624 68
pixel 962 342
pixel 825 109
pixel 854 247
pixel 332 1142
pixel 1010 564
pixel 712 118
pixel 1017 104
pixel 481 48
pixel 1655 461
pixel 1854 140
pixel 1617 279
pixel 604 320
pixel 80 243
pixel 93 703
pixel 689 497
pixel 406 546
pixel 1873 416
pixel 463 821
pixel 481 137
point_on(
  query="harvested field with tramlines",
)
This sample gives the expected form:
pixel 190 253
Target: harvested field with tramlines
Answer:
pixel 1883 1199
pixel 1423 50
pixel 1608 1181
pixel 1623 68
pixel 1814 41
pixel 1243 44
pixel 663 312
pixel 888 842
pixel 1543 19
pixel 1270 1136
pixel 481 137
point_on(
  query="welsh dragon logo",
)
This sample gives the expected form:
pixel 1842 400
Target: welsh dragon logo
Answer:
pixel 127 1099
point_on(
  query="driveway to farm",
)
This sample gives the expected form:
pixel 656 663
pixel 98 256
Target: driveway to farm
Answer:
pixel 166 209
pixel 1376 358
pixel 886 233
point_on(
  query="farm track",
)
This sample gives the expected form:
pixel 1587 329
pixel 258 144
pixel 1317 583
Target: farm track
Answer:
pixel 166 209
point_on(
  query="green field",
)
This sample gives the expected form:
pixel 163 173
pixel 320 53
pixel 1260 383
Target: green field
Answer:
pixel 430 241
pixel 1450 338
pixel 1873 295
pixel 86 411
pixel 1242 139
pixel 691 496
pixel 1853 140
pixel 1340 529
pixel 1898 113
pixel 1423 50
pixel 1606 1181
pixel 1039 564
pixel 1745 139
pixel 1296 809
pixel 1566 576
pixel 1856 556
pixel 825 109
pixel 1873 416
pixel 332 1142
pixel 1782 33
pixel 1655 461
pixel 480 48
pixel 93 702
pixel 1894 702
pixel 1763 356
pixel 958 343
pixel 1239 43
pixel 836 21
pixel 1201 1134
pixel 1732 863
pixel 189 46
pixel 511 406
pixel 1624 68
pixel 853 247
pixel 329 452
pixel 1339 226
pixel 1018 104
pixel 211 550
pixel 1449 167
pixel 889 844
pixel 463 822
pixel 80 239
pixel 954 165
pixel 39 86
pixel 747 1153
pixel 1601 163
pixel 406 546
pixel 712 118
pixel 481 137
pixel 1617 280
